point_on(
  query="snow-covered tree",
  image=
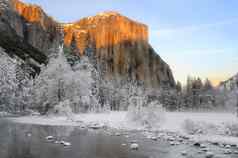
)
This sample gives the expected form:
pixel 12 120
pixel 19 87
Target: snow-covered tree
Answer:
pixel 117 93
pixel 15 84
pixel 231 100
pixel 58 82
pixel 8 82
pixel 144 112
pixel 88 80
pixel 207 85
pixel 72 52
pixel 178 87
pixel 50 84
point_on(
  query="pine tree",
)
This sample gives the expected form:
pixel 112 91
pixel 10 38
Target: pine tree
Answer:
pixel 207 85
pixel 72 52
pixel 52 82
pixel 178 87
pixel 8 83
pixel 73 46
pixel 15 84
pixel 189 85
pixel 59 82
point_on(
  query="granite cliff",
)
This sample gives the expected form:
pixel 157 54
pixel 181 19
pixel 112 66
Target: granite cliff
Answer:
pixel 119 43
pixel 122 44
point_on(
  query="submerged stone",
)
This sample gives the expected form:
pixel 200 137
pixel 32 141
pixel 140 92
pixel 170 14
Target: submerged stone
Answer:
pixel 134 146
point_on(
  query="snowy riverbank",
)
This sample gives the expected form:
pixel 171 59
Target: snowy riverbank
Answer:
pixel 209 127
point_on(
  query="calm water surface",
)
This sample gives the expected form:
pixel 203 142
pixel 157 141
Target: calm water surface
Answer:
pixel 28 141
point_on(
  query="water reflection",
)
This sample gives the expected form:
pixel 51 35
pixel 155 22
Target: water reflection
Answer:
pixel 28 141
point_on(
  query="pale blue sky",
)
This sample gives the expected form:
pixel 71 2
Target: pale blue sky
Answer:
pixel 196 37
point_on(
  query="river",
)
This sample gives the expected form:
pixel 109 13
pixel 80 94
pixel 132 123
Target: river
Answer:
pixel 29 141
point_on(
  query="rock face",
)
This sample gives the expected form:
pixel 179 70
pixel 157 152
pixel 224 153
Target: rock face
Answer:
pixel 39 30
pixel 12 39
pixel 122 46
pixel 106 30
pixel 119 44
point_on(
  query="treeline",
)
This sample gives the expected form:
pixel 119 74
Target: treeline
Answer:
pixel 195 95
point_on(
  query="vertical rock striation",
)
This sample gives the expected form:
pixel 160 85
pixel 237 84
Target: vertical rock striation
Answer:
pixel 37 28
pixel 13 39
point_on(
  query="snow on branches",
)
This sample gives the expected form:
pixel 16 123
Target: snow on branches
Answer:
pixel 58 82
pixel 15 85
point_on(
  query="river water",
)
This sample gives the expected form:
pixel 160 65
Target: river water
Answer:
pixel 29 141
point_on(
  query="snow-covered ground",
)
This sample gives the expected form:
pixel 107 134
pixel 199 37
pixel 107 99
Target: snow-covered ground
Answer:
pixel 117 120
pixel 212 127
pixel 175 120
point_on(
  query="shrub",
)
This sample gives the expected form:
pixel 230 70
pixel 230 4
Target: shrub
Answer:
pixel 149 116
pixel 199 127
pixel 231 129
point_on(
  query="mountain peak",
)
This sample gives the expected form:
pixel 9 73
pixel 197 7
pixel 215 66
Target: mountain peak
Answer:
pixel 105 29
pixel 108 13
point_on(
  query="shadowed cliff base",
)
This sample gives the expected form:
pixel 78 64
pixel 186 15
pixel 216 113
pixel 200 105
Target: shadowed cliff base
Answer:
pixel 15 45
pixel 122 61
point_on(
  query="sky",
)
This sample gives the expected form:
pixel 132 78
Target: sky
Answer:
pixel 195 37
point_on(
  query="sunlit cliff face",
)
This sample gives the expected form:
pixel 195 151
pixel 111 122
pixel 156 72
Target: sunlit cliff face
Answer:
pixel 115 38
pixel 105 29
pixel 30 12
pixel 33 13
